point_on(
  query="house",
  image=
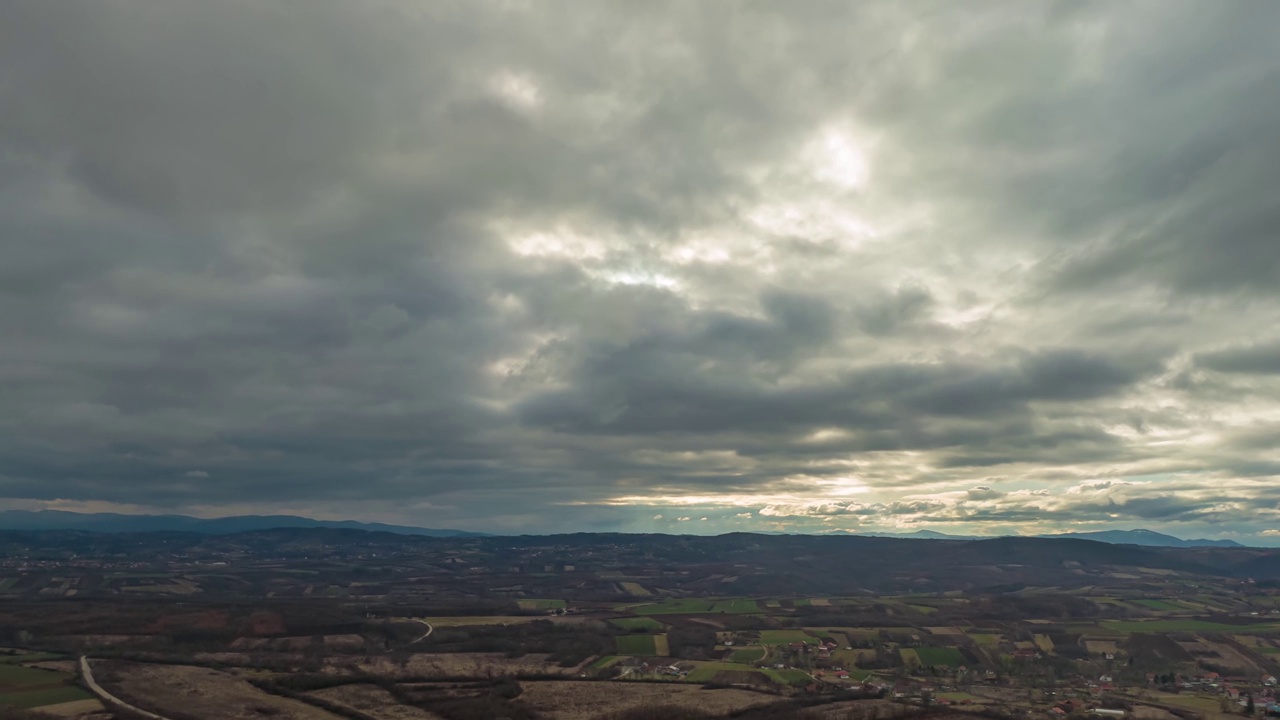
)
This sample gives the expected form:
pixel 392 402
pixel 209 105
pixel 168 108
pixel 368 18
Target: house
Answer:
pixel 1269 680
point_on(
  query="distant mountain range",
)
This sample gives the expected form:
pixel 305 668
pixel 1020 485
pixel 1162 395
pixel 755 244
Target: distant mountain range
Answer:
pixel 114 522
pixel 1145 538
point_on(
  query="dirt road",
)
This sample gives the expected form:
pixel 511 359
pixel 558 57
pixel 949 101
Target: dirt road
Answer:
pixel 111 700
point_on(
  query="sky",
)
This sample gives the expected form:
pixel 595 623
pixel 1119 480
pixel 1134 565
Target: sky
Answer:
pixel 529 267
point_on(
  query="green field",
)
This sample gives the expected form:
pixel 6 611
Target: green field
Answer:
pixel 604 662
pixel 784 637
pixel 540 604
pixel 24 700
pixel 924 609
pixel 735 606
pixel 939 656
pixel 636 645
pixel 30 657
pixel 1156 604
pixel 16 676
pixel 706 672
pixel 645 624
pixel 1160 626
pixel 747 654
pixel 24 687
pixel 683 606
pixel 790 676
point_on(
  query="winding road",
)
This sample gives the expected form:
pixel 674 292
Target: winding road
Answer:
pixel 424 635
pixel 87 674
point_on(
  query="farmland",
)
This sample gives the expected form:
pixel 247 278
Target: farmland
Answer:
pixel 28 687
pixel 536 630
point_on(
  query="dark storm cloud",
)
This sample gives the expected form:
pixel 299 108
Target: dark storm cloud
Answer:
pixel 530 266
pixel 1261 359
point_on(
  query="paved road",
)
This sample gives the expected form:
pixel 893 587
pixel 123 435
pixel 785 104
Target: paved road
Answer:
pixel 87 673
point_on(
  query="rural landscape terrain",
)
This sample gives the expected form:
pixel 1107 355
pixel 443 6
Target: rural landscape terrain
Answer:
pixel 324 623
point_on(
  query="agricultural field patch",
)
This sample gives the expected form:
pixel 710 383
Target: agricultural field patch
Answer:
pixel 735 606
pixel 372 700
pixel 1188 625
pixel 465 620
pixel 635 588
pixel 581 700
pixel 636 645
pixel 785 637
pixel 1098 647
pixel 638 624
pixel 940 656
pixel 37 698
pixel 540 604
pixel 1043 642
pixel 747 655
pixel 682 606
pixel 1155 604
pixel 707 671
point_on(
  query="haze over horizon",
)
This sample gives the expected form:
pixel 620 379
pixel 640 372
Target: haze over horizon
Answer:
pixel 528 267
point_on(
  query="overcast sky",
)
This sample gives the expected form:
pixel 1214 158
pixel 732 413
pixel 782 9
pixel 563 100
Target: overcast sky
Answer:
pixel 977 267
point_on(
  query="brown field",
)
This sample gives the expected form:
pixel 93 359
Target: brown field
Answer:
pixel 579 700
pixel 201 692
pixel 1146 712
pixel 1231 658
pixel 1098 647
pixel 373 700
pixel 449 665
pixel 945 630
pixel 871 710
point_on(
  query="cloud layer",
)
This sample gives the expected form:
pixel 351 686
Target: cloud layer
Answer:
pixel 539 266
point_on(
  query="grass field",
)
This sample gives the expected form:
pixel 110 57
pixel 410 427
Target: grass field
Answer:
pixel 25 700
pixel 790 676
pixel 635 588
pixel 747 654
pixel 16 676
pixel 784 637
pixel 1157 604
pixel 924 609
pixel 540 604
pixel 661 646
pixel 636 645
pixel 466 620
pixel 683 606
pixel 647 624
pixel 24 687
pixel 30 657
pixel 1157 626
pixel 735 606
pixel 706 672
pixel 605 662
pixel 1044 643
pixel 939 656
